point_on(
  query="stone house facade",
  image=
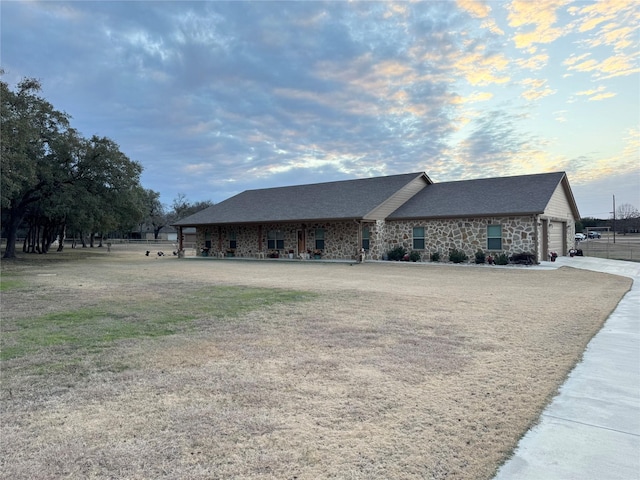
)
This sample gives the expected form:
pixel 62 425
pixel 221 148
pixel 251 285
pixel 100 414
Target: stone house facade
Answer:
pixel 469 235
pixel 532 214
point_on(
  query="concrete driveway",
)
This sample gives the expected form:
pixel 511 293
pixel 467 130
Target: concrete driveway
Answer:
pixel 591 429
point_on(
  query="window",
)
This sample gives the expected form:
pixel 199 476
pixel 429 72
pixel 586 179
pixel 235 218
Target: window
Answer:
pixel 232 240
pixel 365 238
pixel 275 240
pixel 494 237
pixel 319 239
pixel 418 238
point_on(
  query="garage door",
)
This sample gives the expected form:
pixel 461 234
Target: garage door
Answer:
pixel 556 237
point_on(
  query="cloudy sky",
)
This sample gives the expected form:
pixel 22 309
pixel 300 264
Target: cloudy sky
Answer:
pixel 214 98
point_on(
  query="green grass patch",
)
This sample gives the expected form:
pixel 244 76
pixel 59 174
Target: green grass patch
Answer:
pixel 11 283
pixel 94 328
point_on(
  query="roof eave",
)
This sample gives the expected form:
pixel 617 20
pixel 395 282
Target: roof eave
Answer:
pixel 467 215
pixel 264 222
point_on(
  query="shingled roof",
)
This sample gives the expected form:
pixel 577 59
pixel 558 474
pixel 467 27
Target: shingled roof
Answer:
pixel 348 199
pixel 519 195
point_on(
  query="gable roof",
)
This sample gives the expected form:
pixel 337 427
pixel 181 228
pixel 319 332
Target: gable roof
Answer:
pixel 348 199
pixel 519 195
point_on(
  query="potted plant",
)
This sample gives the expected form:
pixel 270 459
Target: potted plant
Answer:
pixel 291 253
pixel 317 254
pixel 231 252
pixel 490 260
pixel 553 256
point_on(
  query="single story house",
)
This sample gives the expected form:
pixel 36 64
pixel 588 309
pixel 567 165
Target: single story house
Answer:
pixel 532 214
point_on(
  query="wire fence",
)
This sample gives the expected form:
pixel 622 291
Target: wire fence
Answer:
pixel 623 247
pixel 166 246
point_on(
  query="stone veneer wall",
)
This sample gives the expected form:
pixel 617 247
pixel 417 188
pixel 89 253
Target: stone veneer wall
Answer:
pixel 340 238
pixel 466 234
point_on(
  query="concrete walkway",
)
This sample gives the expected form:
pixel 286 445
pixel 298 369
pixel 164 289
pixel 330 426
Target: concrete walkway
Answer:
pixel 591 429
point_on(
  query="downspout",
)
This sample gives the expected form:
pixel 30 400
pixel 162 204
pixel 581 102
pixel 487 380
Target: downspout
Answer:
pixel 358 236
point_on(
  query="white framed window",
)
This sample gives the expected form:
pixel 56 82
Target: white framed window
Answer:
pixel 319 239
pixel 275 240
pixel 233 240
pixel 418 238
pixel 365 238
pixel 494 237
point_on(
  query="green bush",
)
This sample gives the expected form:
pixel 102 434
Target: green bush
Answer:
pixel 415 256
pixel 480 257
pixel 435 257
pixel 457 256
pixel 502 259
pixel 397 253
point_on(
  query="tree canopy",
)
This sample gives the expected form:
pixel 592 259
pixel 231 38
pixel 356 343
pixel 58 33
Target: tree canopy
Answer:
pixel 627 218
pixel 53 179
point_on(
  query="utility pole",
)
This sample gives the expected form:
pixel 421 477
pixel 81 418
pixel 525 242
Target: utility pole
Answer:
pixel 614 219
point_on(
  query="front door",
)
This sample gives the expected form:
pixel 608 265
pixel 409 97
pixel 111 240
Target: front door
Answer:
pixel 302 242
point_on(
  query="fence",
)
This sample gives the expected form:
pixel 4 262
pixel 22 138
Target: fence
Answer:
pixel 127 244
pixel 626 247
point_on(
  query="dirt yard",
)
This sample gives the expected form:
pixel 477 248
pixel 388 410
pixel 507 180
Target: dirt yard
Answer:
pixel 281 370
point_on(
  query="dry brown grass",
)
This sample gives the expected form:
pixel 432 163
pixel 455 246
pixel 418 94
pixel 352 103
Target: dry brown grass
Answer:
pixel 392 371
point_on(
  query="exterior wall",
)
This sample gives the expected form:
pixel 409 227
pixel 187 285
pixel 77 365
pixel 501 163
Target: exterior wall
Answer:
pixel 466 234
pixel 519 234
pixel 340 239
pixel 558 204
pixel 558 210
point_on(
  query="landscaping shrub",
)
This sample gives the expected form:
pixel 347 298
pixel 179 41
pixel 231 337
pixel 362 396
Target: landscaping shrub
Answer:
pixel 457 256
pixel 480 257
pixel 397 253
pixel 435 257
pixel 502 259
pixel 414 256
pixel 524 258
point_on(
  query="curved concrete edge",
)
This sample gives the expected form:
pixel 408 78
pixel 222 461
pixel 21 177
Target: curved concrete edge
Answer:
pixel 591 429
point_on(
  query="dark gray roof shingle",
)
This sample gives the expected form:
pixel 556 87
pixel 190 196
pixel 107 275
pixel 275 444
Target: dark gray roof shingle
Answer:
pixel 520 195
pixel 318 201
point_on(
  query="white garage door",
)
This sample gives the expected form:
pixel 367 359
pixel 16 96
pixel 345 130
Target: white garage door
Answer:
pixel 556 237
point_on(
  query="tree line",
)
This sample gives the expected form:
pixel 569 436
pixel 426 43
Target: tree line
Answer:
pixel 56 184
pixel 626 220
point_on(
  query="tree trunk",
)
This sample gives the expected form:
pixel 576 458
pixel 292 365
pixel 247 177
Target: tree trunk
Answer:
pixel 46 239
pixel 36 239
pixel 62 236
pixel 15 218
pixel 29 241
pixel 156 231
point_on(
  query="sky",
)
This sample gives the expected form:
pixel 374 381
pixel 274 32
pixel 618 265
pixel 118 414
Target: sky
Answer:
pixel 214 98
